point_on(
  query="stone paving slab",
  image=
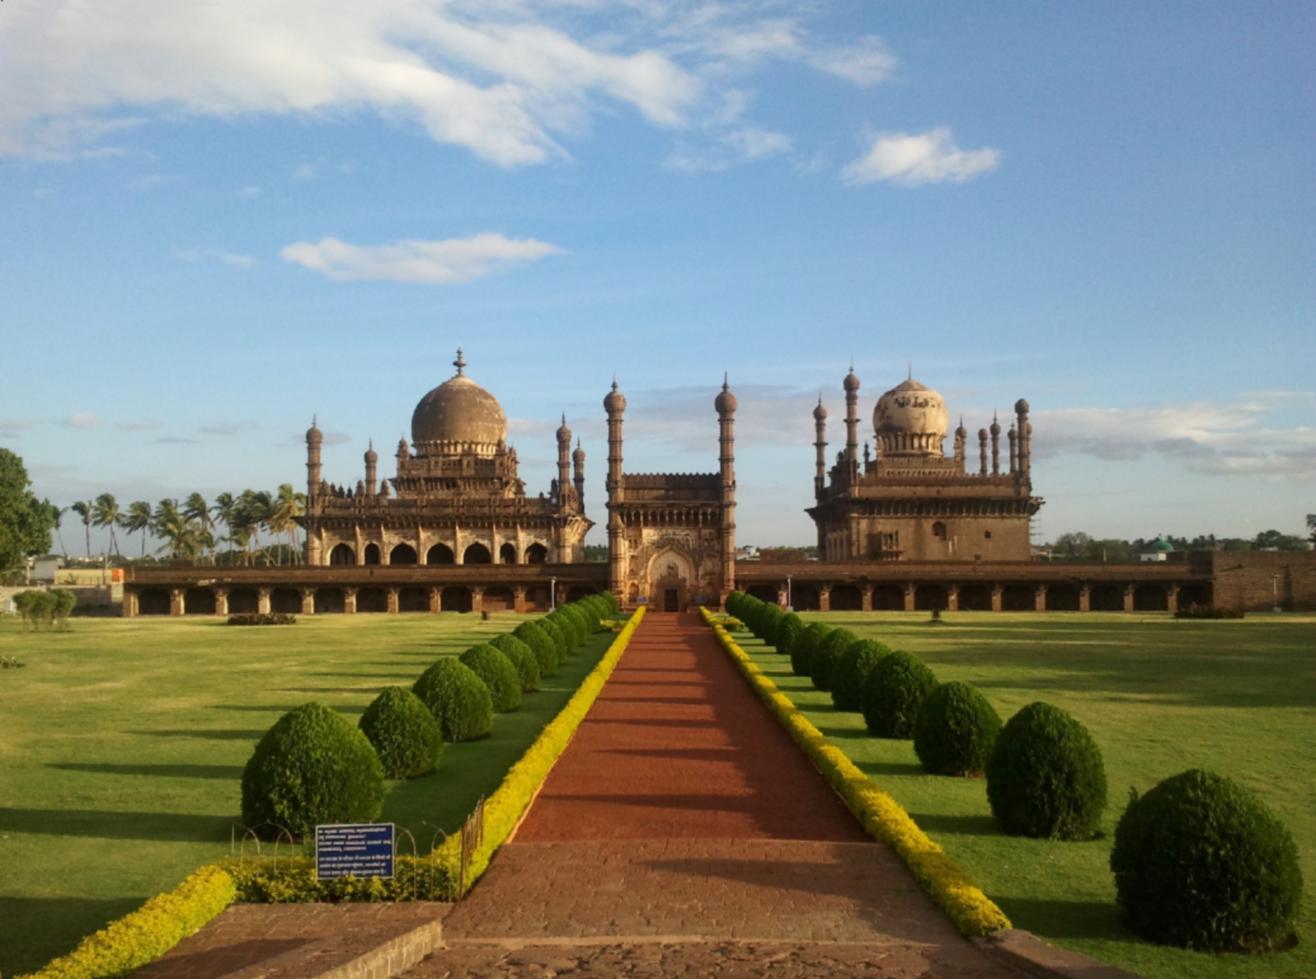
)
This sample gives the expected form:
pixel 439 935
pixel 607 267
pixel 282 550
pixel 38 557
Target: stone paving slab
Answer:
pixel 298 941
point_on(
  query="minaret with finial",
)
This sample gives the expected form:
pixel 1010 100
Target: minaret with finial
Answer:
pixel 314 440
pixel 820 447
pixel 563 463
pixel 725 404
pixel 1025 441
pixel 460 362
pixel 578 465
pixel 961 434
pixel 851 385
pixel 996 445
pixel 1013 436
pixel 614 403
pixel 982 452
pixel 372 469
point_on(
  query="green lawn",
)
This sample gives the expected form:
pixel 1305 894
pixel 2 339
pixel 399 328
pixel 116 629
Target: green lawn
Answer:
pixel 122 744
pixel 1159 696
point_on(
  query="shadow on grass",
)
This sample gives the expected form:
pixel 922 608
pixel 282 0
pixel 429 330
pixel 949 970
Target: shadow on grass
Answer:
pixel 843 733
pixel 960 825
pixel 160 771
pixel 205 734
pixel 40 928
pixel 890 768
pixel 113 825
pixel 1068 919
pixel 365 675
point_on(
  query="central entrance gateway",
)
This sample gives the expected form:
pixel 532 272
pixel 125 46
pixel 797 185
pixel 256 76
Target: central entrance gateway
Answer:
pixel 671 600
pixel 670 578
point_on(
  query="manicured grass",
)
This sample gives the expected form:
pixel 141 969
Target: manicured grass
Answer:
pixel 122 744
pixel 1159 697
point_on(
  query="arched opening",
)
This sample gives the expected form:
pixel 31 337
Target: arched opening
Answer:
pixel 372 600
pixel 975 598
pixel 1106 598
pixel 371 554
pixel 456 598
pixel 671 579
pixel 329 600
pixel 402 554
pixel 805 597
pixel 888 598
pixel 287 600
pixel 477 553
pixel 242 601
pixel 153 601
pixel 198 601
pixel 536 598
pixel 764 593
pixel 507 554
pixel 1062 597
pixel 439 554
pixel 413 598
pixel 536 554
pixel 930 597
pixel 498 599
pixel 1195 595
pixel 1018 598
pixel 342 554
pixel 1150 598
pixel 939 530
pixel 577 592
pixel 847 598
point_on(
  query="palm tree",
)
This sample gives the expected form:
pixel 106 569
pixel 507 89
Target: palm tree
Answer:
pixel 195 511
pixel 138 518
pixel 182 537
pixel 106 513
pixel 288 504
pixel 251 513
pixel 222 511
pixel 57 515
pixel 83 508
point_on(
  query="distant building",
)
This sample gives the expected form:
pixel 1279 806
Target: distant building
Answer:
pixel 1159 550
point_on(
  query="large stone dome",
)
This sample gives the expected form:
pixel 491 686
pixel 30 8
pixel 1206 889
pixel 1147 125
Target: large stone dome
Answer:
pixel 458 417
pixel 911 419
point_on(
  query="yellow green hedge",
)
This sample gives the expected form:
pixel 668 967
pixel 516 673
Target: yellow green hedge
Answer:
pixel 147 933
pixel 883 818
pixel 508 803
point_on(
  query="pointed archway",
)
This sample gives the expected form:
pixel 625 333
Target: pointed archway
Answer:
pixel 670 581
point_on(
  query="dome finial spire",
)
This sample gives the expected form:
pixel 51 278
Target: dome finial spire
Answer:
pixel 726 380
pixel 910 375
pixel 460 362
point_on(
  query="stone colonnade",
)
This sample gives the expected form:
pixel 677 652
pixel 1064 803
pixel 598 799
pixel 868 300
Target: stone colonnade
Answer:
pixel 1165 596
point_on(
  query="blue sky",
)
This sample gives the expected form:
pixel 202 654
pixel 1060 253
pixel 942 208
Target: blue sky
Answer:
pixel 220 219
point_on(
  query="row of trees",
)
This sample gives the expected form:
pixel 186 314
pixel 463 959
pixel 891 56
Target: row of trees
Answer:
pixel 191 529
pixel 1082 547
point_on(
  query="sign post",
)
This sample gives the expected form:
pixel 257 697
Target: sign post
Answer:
pixel 355 849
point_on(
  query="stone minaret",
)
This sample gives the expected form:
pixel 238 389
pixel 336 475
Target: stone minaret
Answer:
pixel 996 445
pixel 1014 451
pixel 725 403
pixel 314 439
pixel 578 463
pixel 1025 440
pixel 372 469
pixel 820 444
pixel 614 403
pixel 851 385
pixel 960 435
pixel 982 452
pixel 563 463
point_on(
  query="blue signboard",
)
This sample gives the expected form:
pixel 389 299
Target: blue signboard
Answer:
pixel 358 849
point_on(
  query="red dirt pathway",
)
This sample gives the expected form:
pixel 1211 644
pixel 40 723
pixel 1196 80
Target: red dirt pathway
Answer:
pixel 677 745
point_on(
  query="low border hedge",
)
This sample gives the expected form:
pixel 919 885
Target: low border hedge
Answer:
pixel 973 912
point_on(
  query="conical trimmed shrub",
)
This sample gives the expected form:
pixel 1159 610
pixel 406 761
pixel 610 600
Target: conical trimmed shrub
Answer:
pixel 804 646
pixel 555 632
pixel 789 626
pixel 955 730
pixel 313 766
pixel 522 657
pixel 851 673
pixel 893 694
pixel 828 655
pixel 498 674
pixel 459 700
pixel 541 644
pixel 406 736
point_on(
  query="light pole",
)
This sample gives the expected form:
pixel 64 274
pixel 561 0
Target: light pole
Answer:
pixel 1274 590
pixel 552 594
pixel 789 604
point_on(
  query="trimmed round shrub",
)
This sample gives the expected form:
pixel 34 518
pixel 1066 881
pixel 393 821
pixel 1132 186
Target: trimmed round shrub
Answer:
pixel 1200 862
pixel 955 730
pixel 789 626
pixel 580 621
pixel 541 644
pixel 522 657
pixel 458 699
pixel 555 632
pixel 571 627
pixel 893 693
pixel 405 734
pixel 827 655
pixel 769 621
pixel 851 673
pixel 802 649
pixel 1045 777
pixel 735 604
pixel 492 666
pixel 311 767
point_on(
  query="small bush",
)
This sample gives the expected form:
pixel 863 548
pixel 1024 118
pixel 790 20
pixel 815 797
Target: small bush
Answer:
pixel 405 734
pixel 851 673
pixel 1045 777
pixel 541 644
pixel 581 625
pixel 560 641
pixel 571 627
pixel 1200 862
pixel 804 646
pixel 522 657
pixel 770 620
pixel 262 618
pixel 311 767
pixel 493 667
pixel 893 693
pixel 955 730
pixel 827 655
pixel 789 626
pixel 11 663
pixel 458 699
pixel 1207 612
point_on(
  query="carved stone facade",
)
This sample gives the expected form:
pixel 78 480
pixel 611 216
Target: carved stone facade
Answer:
pixel 907 500
pixel 456 497
pixel 672 536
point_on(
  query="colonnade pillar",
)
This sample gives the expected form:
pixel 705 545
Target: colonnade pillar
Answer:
pixel 952 598
pixel 866 598
pixel 436 599
pixel 1085 598
pixel 518 599
pixel 1039 598
pixel 1128 598
pixel 263 601
pixel 477 598
pixel 177 605
pixel 824 598
pixel 1172 598
pixel 393 600
pixel 221 600
pixel 997 592
pixel 349 601
pixel 131 605
pixel 910 594
pixel 308 601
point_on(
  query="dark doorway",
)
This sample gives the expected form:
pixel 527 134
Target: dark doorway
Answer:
pixel 1018 598
pixel 975 598
pixel 888 598
pixel 671 600
pixel 930 597
pixel 846 598
pixel 342 554
pixel 1106 598
pixel 1062 598
pixel 413 598
pixel 439 554
pixel 498 599
pixel 372 600
pixel 477 554
pixel 402 554
pixel 1150 598
pixel 456 598
pixel 507 554
pixel 153 601
pixel 199 601
pixel 764 593
pixel 329 600
pixel 372 554
pixel 536 554
pixel 243 600
pixel 286 600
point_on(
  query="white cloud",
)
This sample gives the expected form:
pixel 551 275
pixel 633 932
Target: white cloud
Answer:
pixel 866 62
pixel 194 256
pixel 82 419
pixel 443 262
pixel 248 192
pixel 730 149
pixel 10 427
pixel 923 158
